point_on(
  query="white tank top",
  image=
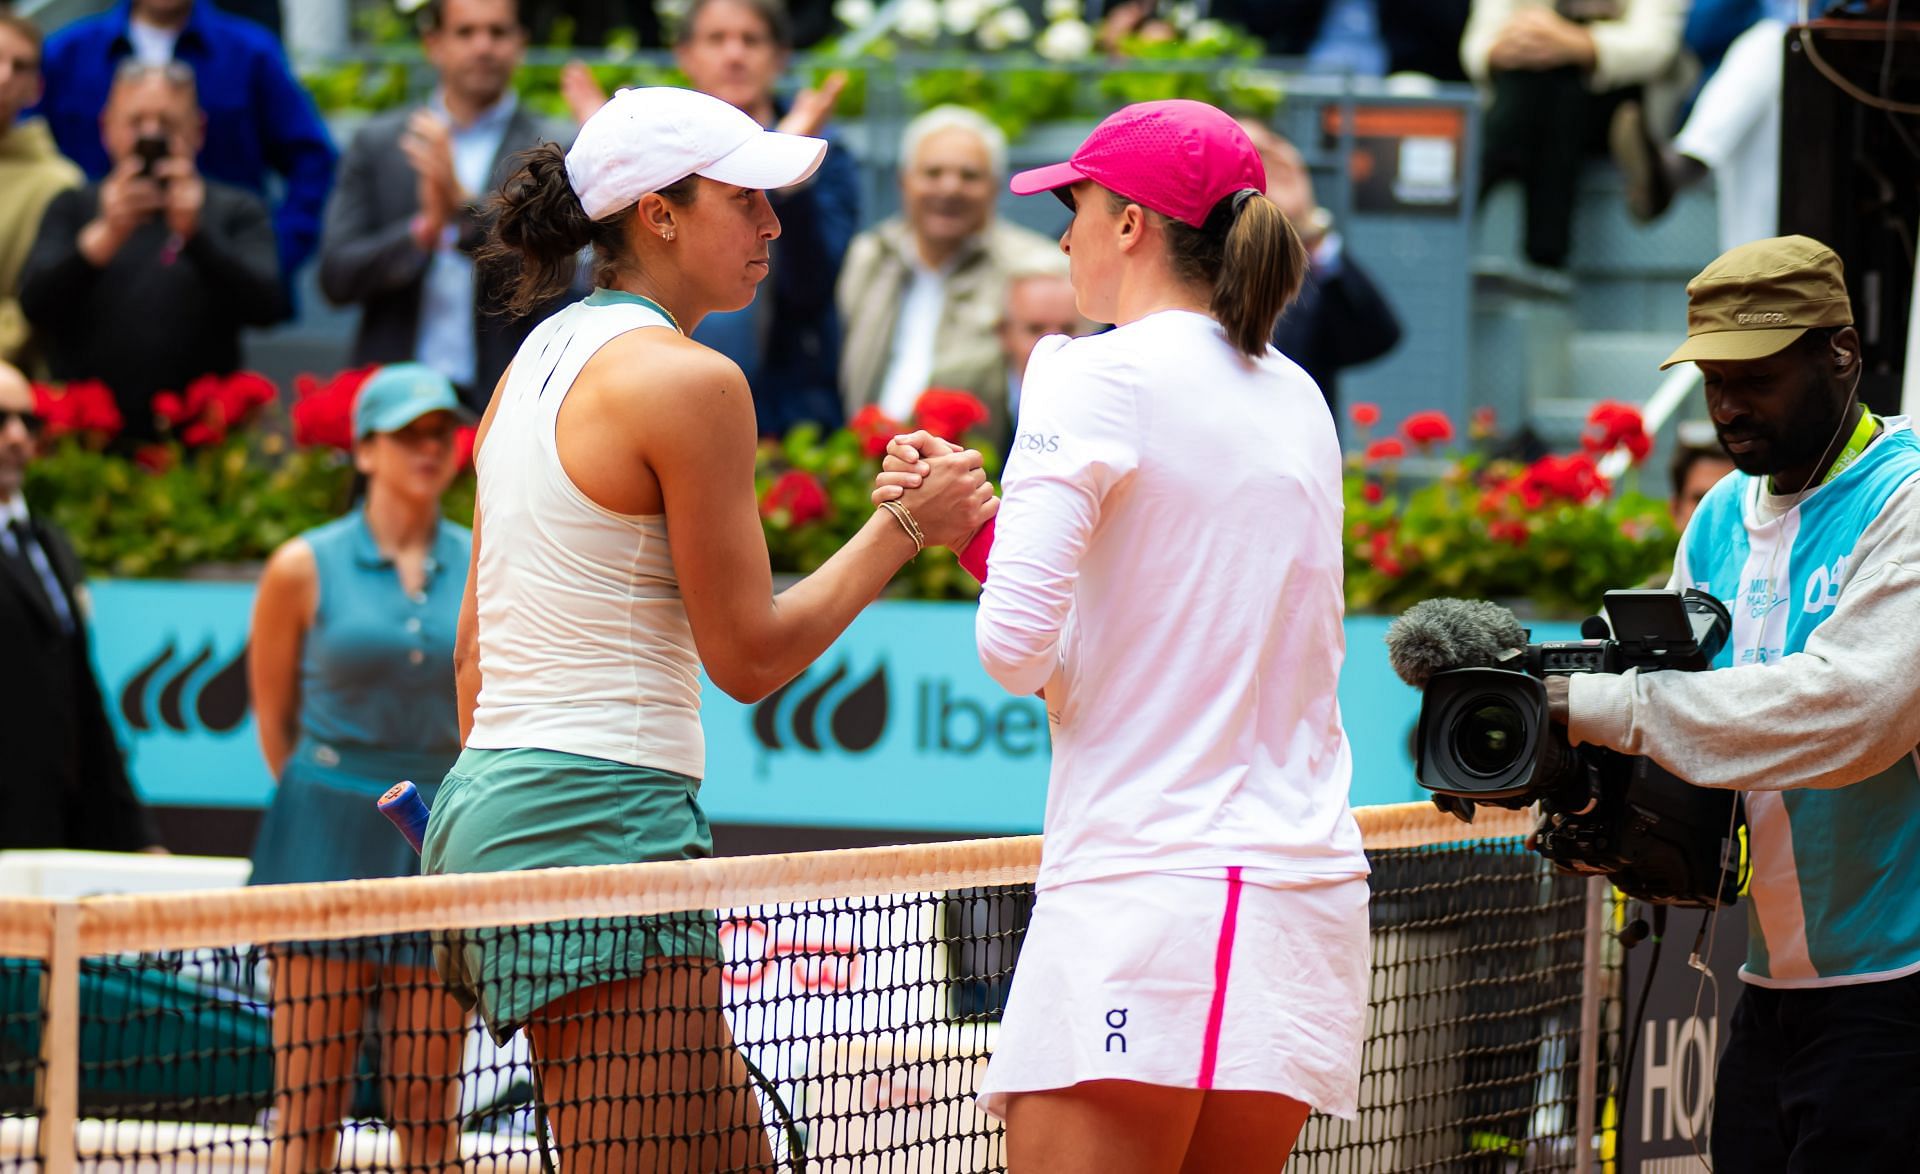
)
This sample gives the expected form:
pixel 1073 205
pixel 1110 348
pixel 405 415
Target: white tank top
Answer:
pixel 584 643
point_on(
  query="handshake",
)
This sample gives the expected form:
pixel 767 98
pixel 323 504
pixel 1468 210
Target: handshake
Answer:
pixel 937 491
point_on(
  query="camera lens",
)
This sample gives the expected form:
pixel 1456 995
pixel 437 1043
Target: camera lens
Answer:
pixel 1490 736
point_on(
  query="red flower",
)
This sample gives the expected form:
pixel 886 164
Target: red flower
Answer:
pixel 85 407
pixel 1573 478
pixel 213 406
pixel 154 458
pixel 875 429
pixel 1373 493
pixel 1428 427
pixel 1509 531
pixel 799 494
pixel 1380 551
pixel 246 392
pixel 323 413
pixel 1388 449
pixel 950 415
pixel 463 444
pixel 1612 425
pixel 1364 415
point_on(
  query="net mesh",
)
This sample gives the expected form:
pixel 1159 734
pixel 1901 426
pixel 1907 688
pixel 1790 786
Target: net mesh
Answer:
pixel 829 1012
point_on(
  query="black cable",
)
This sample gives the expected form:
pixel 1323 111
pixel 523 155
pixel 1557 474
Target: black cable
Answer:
pixel 1637 1020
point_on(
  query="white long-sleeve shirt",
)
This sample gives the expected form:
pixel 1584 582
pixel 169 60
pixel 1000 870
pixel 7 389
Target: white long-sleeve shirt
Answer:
pixel 1168 565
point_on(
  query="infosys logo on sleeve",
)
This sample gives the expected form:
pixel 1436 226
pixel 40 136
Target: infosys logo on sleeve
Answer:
pixel 1760 318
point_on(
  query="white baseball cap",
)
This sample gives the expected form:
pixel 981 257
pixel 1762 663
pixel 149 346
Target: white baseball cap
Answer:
pixel 645 139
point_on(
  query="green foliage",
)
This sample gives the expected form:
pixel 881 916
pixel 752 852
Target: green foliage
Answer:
pixel 176 508
pixel 1457 535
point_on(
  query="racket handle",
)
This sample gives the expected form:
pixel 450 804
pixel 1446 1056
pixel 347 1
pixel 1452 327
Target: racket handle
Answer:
pixel 408 811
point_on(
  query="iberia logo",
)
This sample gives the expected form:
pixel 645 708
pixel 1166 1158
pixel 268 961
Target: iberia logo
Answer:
pixel 809 711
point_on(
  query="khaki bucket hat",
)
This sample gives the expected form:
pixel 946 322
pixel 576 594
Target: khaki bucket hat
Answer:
pixel 1758 299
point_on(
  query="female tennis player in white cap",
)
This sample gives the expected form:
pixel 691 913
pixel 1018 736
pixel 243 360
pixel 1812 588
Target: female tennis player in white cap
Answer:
pixel 1167 567
pixel 617 552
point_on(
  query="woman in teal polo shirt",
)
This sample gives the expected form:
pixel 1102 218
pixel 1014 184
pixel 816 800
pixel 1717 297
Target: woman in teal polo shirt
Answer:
pixel 351 666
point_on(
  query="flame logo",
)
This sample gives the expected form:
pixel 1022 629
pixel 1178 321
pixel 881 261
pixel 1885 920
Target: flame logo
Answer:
pixel 219 705
pixel 855 723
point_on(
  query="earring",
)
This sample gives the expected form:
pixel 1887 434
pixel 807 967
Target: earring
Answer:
pixel 667 235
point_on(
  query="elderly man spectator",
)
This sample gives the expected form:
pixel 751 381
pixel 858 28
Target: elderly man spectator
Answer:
pixel 145 279
pixel 260 121
pixel 405 221
pixel 1039 302
pixel 788 341
pixel 32 172
pixel 922 293
pixel 1340 318
pixel 1558 71
pixel 65 785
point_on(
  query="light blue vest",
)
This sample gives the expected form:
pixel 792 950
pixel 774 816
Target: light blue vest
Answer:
pixel 1836 873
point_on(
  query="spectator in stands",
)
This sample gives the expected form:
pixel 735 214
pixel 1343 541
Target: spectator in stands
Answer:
pixel 259 120
pixel 1039 302
pixel 787 342
pixel 64 784
pixel 1368 37
pixel 922 292
pixel 1556 81
pixel 31 174
pixel 350 664
pixel 145 279
pixel 1733 133
pixel 405 220
pixel 1698 465
pixel 1340 319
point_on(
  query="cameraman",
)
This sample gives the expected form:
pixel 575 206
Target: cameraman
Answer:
pixel 1814 544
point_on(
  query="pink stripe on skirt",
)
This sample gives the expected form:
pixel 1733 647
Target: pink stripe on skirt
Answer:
pixel 1222 967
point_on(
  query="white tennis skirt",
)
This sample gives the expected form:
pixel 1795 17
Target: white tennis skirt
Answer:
pixel 1190 980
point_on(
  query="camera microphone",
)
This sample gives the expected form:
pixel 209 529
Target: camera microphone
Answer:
pixel 1435 635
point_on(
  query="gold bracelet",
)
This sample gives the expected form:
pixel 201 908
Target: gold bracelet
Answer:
pixel 904 516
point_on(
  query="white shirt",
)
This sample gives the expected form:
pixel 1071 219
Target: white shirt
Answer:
pixel 1168 565
pixel 445 341
pixel 152 45
pixel 915 333
pixel 585 645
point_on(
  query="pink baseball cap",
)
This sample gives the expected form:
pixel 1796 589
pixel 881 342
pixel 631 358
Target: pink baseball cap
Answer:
pixel 1177 157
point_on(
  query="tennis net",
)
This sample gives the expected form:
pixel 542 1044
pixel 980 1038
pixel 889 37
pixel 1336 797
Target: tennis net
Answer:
pixel 845 1027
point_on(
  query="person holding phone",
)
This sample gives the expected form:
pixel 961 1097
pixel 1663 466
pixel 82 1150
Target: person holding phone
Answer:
pixel 145 279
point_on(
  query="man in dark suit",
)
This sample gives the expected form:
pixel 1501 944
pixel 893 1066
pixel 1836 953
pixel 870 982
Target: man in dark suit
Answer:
pixel 404 222
pixel 146 279
pixel 62 782
pixel 1340 318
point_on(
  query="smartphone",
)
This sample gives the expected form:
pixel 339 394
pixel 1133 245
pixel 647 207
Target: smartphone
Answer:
pixel 151 149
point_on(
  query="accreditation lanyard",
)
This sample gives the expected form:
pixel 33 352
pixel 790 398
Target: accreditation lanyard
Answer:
pixel 1863 433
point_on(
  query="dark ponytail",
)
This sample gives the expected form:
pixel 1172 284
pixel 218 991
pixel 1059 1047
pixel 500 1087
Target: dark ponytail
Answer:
pixel 539 228
pixel 1249 255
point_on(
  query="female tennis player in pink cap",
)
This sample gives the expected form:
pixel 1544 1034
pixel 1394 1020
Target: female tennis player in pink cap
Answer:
pixel 1167 569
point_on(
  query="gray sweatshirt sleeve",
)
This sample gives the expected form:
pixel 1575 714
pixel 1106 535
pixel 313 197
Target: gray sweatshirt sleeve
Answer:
pixel 1842 710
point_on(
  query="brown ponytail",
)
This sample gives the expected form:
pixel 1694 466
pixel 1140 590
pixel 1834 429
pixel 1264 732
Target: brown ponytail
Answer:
pixel 539 228
pixel 1250 256
pixel 1261 270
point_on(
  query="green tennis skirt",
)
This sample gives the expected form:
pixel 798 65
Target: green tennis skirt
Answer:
pixel 508 810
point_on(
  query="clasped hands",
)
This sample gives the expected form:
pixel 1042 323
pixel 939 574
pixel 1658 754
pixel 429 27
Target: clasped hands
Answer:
pixel 428 146
pixel 944 485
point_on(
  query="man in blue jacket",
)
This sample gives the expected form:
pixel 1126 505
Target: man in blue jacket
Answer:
pixel 259 119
